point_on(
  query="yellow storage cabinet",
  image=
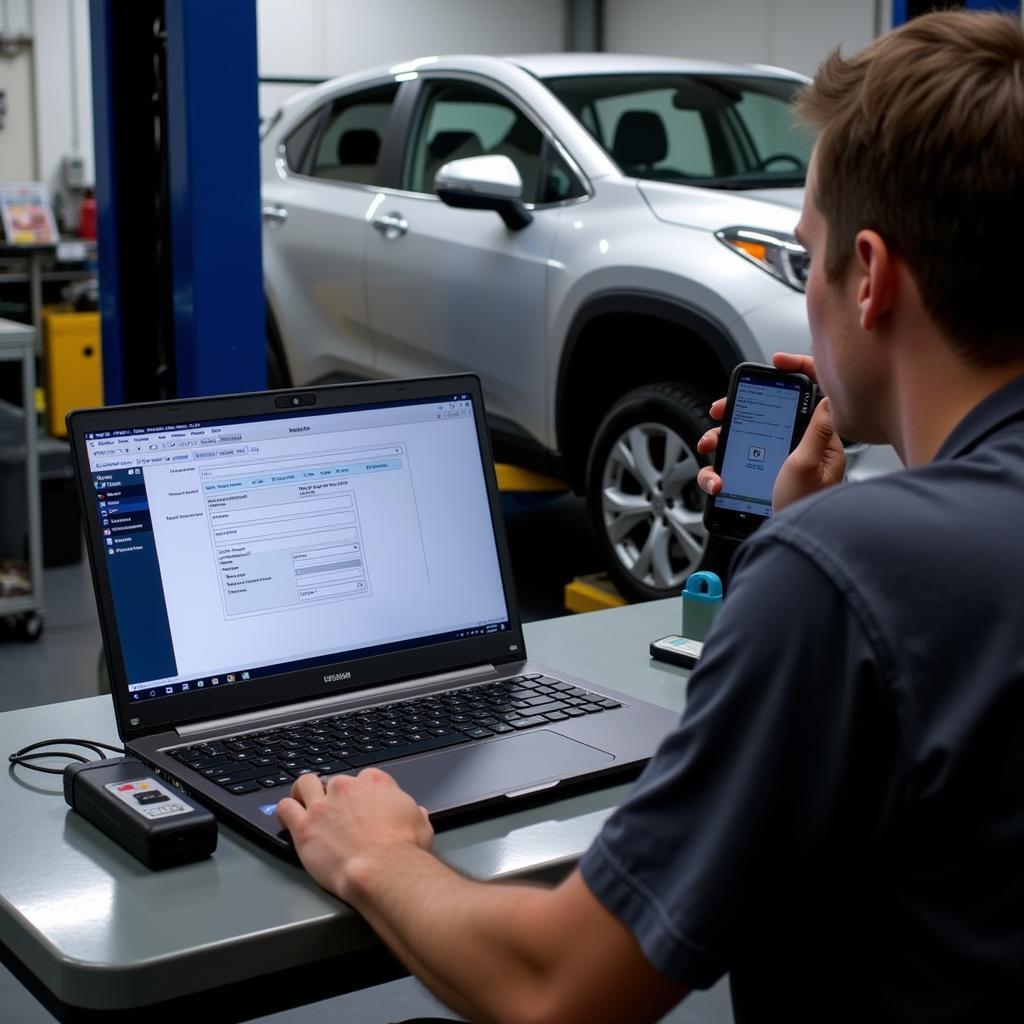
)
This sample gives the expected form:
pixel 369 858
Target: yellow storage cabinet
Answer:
pixel 73 366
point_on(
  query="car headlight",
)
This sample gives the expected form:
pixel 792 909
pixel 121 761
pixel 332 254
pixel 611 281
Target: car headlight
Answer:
pixel 779 254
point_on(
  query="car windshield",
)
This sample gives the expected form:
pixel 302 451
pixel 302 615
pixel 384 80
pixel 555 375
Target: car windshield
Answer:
pixel 717 131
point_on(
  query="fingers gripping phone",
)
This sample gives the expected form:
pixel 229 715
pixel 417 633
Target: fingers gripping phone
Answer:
pixel 767 412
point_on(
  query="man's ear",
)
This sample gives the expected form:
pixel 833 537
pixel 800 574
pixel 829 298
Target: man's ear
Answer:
pixel 876 292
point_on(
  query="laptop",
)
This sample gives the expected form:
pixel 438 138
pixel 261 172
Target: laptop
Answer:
pixel 316 581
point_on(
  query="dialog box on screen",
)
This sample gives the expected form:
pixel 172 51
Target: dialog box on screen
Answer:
pixel 286 531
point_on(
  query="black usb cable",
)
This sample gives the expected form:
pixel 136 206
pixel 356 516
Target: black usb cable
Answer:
pixel 33 752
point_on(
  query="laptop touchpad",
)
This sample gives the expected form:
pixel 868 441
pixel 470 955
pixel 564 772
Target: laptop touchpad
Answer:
pixel 455 777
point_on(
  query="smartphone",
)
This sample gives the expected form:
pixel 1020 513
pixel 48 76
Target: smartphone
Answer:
pixel 767 412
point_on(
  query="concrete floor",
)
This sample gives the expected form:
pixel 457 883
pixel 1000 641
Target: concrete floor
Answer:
pixel 550 544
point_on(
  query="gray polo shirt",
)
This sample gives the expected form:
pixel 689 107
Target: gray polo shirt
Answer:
pixel 838 820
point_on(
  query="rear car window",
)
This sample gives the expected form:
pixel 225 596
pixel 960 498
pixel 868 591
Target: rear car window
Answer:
pixel 345 142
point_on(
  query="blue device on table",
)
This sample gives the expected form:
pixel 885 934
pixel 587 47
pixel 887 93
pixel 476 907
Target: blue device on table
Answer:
pixel 702 597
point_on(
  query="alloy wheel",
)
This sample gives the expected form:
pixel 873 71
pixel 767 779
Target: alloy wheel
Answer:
pixel 652 507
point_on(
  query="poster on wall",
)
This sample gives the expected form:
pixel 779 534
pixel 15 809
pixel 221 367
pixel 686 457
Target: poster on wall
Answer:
pixel 26 214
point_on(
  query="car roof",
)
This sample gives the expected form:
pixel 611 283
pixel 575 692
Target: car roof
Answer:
pixel 554 65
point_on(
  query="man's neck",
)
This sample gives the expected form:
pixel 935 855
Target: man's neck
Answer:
pixel 935 390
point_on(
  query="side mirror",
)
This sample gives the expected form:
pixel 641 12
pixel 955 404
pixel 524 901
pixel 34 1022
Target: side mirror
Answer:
pixel 484 183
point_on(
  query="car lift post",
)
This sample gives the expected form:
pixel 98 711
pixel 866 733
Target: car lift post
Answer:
pixel 904 10
pixel 178 195
pixel 584 25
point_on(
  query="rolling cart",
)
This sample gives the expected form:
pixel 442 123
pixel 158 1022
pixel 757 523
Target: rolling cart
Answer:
pixel 23 611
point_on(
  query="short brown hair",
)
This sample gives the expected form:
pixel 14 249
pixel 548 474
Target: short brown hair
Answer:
pixel 922 140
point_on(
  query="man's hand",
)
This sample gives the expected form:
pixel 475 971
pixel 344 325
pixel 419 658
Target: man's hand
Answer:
pixel 354 818
pixel 817 462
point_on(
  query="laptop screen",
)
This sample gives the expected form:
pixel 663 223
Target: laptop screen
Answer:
pixel 237 549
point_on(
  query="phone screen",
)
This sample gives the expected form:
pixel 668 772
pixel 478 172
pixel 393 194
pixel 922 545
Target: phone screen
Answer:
pixel 764 413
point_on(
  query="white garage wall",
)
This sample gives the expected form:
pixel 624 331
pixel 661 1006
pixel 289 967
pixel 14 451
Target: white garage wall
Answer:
pixel 794 34
pixel 63 85
pixel 57 93
pixel 18 135
pixel 17 131
pixel 323 38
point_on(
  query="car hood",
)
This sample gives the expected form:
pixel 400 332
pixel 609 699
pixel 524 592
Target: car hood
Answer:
pixel 775 209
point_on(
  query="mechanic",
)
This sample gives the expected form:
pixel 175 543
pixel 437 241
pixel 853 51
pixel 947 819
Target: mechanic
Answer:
pixel 838 821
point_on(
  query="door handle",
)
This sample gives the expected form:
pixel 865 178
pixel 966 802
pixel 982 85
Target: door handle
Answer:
pixel 391 225
pixel 275 213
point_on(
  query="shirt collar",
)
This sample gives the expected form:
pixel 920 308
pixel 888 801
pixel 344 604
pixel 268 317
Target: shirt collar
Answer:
pixel 988 415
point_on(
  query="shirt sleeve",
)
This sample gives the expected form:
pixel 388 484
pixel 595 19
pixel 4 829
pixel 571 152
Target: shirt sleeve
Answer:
pixel 742 808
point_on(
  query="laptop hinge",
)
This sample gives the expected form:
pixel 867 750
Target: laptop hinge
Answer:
pixel 338 702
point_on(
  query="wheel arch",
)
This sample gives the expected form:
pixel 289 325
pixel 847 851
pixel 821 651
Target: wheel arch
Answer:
pixel 678 342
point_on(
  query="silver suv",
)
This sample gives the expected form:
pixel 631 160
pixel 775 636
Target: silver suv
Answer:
pixel 600 238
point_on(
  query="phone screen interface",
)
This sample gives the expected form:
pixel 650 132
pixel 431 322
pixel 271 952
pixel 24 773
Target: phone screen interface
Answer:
pixel 764 412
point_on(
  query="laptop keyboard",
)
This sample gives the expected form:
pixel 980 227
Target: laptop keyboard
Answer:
pixel 385 732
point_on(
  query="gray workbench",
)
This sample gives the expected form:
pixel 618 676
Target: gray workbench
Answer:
pixel 101 931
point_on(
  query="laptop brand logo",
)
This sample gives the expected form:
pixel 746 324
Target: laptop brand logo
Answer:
pixel 337 677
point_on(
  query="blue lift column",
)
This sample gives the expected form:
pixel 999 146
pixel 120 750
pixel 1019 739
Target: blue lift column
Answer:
pixel 904 10
pixel 178 190
pixel 213 132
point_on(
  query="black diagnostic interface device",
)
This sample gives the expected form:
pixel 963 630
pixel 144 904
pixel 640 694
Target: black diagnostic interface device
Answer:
pixel 151 820
pixel 766 414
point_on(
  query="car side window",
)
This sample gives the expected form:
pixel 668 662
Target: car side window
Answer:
pixel 559 183
pixel 646 133
pixel 458 120
pixel 348 145
pixel 296 146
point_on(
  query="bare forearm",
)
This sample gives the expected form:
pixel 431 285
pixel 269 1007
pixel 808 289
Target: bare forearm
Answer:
pixel 502 954
pixel 473 944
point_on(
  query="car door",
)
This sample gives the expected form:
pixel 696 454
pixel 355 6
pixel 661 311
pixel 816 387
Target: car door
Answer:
pixel 315 233
pixel 455 289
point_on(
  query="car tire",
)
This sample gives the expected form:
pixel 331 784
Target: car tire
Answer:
pixel 642 495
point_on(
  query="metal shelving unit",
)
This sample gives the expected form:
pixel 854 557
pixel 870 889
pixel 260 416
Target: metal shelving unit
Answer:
pixel 53 256
pixel 17 342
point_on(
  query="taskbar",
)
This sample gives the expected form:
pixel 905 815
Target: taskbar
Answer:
pixel 163 690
